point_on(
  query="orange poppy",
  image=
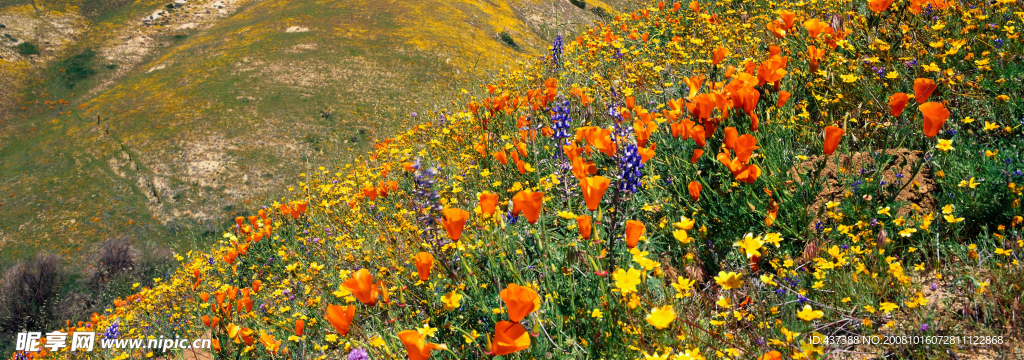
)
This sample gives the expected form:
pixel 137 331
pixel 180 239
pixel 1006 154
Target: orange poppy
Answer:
pixel 581 167
pixel 783 97
pixel 935 115
pixel 417 346
pixel 520 301
pixel 817 27
pixel 634 230
pixel 300 327
pixel 745 146
pixel 454 221
pixel 694 83
pixel 748 174
pixel 788 19
pixel 362 286
pixel 530 203
pixel 697 133
pixel 647 153
pixel 271 343
pixel 424 262
pixel 923 89
pixel 488 202
pixel 501 156
pixel 832 136
pixel 730 137
pixel 509 337
pixel 583 222
pixel 593 190
pixel 879 5
pixel 694 188
pixel 717 55
pixel 775 355
pixel 897 102
pixel 340 317
pixel 697 153
pixel 773 213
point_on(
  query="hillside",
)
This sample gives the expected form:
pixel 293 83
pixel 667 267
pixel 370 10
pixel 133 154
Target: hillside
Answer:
pixel 155 122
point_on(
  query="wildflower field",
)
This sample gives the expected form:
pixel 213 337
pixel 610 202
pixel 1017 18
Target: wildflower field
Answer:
pixel 694 180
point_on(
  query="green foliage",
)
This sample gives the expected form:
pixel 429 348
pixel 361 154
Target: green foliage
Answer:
pixel 74 70
pixel 26 48
pixel 582 4
pixel 507 39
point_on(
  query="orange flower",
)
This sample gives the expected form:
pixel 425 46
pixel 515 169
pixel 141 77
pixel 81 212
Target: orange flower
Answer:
pixel 694 83
pixel 816 27
pixel 717 55
pixel 897 102
pixel 417 346
pixel 528 202
pixel 879 5
pixel 520 300
pixel 488 202
pixel 923 89
pixel 773 213
pixel 340 317
pixel 775 355
pixel 424 262
pixel 454 221
pixel 730 137
pixel 362 286
pixel 935 115
pixel 300 327
pixel 788 19
pixel 694 188
pixel 581 167
pixel 748 174
pixel 832 136
pixel 583 222
pixel 697 153
pixel 501 156
pixel 593 190
pixel 647 153
pixel 271 343
pixel 634 230
pixel 745 146
pixel 783 97
pixel 509 337
pixel 697 133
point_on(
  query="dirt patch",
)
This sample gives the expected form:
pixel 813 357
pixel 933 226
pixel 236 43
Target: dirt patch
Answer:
pixel 898 168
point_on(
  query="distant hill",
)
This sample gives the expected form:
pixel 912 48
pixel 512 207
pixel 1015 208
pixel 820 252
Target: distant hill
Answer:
pixel 156 120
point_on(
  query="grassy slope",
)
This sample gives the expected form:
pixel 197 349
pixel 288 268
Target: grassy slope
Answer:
pixel 214 120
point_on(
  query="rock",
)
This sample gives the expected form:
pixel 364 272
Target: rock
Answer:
pixel 180 3
pixel 296 29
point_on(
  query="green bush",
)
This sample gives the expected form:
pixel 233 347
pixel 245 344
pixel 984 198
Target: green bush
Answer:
pixel 26 49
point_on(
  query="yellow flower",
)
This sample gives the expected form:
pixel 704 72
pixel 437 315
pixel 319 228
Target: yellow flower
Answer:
pixel 952 219
pixel 597 314
pixel 1000 251
pixel 990 153
pixel 626 281
pixel 683 287
pixel 849 78
pixel 832 204
pixel 728 280
pixel 991 126
pixel 750 245
pixel 967 120
pixel 931 67
pixel 723 302
pixel 944 145
pixel 869 308
pixel 661 317
pixel 769 279
pixel 808 314
pixel 948 209
pixel 892 75
pixel 884 211
pixel 888 307
pixel 377 341
pixel 451 300
pixel 692 354
pixel 471 337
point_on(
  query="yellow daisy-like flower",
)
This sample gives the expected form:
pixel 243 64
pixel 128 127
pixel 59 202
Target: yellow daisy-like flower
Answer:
pixel 952 219
pixel 884 211
pixel 728 280
pixel 944 145
pixel 661 317
pixel 888 307
pixel 808 314
pixel 452 300
pixel 626 281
